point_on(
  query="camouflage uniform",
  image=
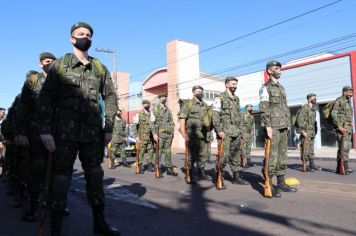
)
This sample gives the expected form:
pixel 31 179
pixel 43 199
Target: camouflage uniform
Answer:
pixel 193 110
pixel 119 139
pixel 342 116
pixel 143 128
pixel 28 125
pixel 306 122
pixel 275 114
pixel 247 133
pixel 69 107
pixel 227 118
pixel 164 128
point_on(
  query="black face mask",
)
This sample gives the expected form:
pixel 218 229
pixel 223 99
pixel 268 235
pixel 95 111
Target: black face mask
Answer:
pixel 163 101
pixel 232 89
pixel 83 44
pixel 199 95
pixel 277 75
pixel 349 97
pixel 313 101
pixel 46 68
pixel 146 107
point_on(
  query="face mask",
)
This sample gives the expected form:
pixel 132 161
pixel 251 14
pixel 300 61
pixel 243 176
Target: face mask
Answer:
pixel 313 101
pixel 46 68
pixel 164 101
pixel 83 44
pixel 199 95
pixel 349 97
pixel 277 75
pixel 232 89
pixel 146 107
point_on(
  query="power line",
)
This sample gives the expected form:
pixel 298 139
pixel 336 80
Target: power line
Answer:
pixel 243 36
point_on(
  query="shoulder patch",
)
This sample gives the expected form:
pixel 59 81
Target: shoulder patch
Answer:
pixel 264 96
pixel 217 104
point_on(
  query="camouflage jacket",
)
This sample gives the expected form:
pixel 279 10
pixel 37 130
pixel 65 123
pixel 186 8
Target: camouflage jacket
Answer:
pixel 28 120
pixel 8 126
pixel 227 116
pixel 143 125
pixel 342 112
pixel 163 120
pixel 193 114
pixel 248 122
pixel 273 105
pixel 119 132
pixel 69 101
pixel 306 119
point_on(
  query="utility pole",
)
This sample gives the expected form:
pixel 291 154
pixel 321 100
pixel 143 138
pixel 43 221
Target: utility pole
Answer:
pixel 115 63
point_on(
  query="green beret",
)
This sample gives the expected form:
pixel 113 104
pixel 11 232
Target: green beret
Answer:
pixel 311 95
pixel 347 88
pixel 81 25
pixel 162 95
pixel 248 105
pixel 46 55
pixel 273 63
pixel 230 78
pixel 197 87
pixel 146 102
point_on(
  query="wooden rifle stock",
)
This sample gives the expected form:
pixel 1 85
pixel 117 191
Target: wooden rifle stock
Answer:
pixel 186 165
pixel 302 154
pixel 137 157
pixel 45 194
pixel 219 184
pixel 242 155
pixel 268 190
pixel 341 155
pixel 157 171
pixel 109 147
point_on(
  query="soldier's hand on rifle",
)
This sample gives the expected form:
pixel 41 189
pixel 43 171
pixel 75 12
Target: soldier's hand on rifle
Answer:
pixel 221 134
pixel 342 129
pixel 185 136
pixel 21 140
pixel 48 142
pixel 269 132
pixel 108 137
pixel 155 137
pixel 2 146
pixel 305 134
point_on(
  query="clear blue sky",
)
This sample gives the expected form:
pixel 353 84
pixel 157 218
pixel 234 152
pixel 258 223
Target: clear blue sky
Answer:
pixel 140 30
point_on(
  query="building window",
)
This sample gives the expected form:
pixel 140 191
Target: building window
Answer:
pixel 210 95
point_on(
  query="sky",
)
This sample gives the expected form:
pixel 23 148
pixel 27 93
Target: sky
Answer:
pixel 139 31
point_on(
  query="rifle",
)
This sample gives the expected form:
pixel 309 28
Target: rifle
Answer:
pixel 157 171
pixel 137 157
pixel 268 190
pixel 45 194
pixel 109 147
pixel 242 155
pixel 341 155
pixel 219 184
pixel 302 154
pixel 186 165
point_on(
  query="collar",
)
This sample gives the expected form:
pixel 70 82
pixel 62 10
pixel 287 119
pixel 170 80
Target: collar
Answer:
pixel 75 62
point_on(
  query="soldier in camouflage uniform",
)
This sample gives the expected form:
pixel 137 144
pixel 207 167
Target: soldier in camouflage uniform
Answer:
pixel 195 130
pixel 210 138
pixel 119 140
pixel 28 133
pixel 143 131
pixel 71 124
pixel 307 127
pixel 275 118
pixel 2 142
pixel 247 129
pixel 163 131
pixel 227 121
pixel 342 118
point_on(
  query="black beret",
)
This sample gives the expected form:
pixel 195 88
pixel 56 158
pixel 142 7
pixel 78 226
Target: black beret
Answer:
pixel 2 109
pixel 81 25
pixel 231 78
pixel 162 95
pixel 311 95
pixel 347 88
pixel 146 102
pixel 46 55
pixel 273 63
pixel 197 87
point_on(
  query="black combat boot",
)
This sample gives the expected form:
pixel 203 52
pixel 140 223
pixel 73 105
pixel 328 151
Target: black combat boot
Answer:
pixel 101 226
pixel 171 172
pixel 150 167
pixel 30 211
pixel 275 192
pixel 56 224
pixel 140 169
pixel 346 166
pixel 125 164
pixel 282 186
pixel 313 166
pixel 237 180
pixel 112 163
pixel 203 175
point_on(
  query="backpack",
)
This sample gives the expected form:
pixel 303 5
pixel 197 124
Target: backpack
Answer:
pixel 207 118
pixel 32 77
pixel 327 111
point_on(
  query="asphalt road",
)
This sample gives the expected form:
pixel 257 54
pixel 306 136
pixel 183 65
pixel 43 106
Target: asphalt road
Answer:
pixel 325 204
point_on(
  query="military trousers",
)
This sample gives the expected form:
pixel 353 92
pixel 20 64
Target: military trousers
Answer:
pixel 347 144
pixel 231 152
pixel 277 164
pixel 38 160
pixel 247 146
pixel 118 149
pixel 165 143
pixel 146 145
pixel 91 156
pixel 197 151
pixel 309 145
